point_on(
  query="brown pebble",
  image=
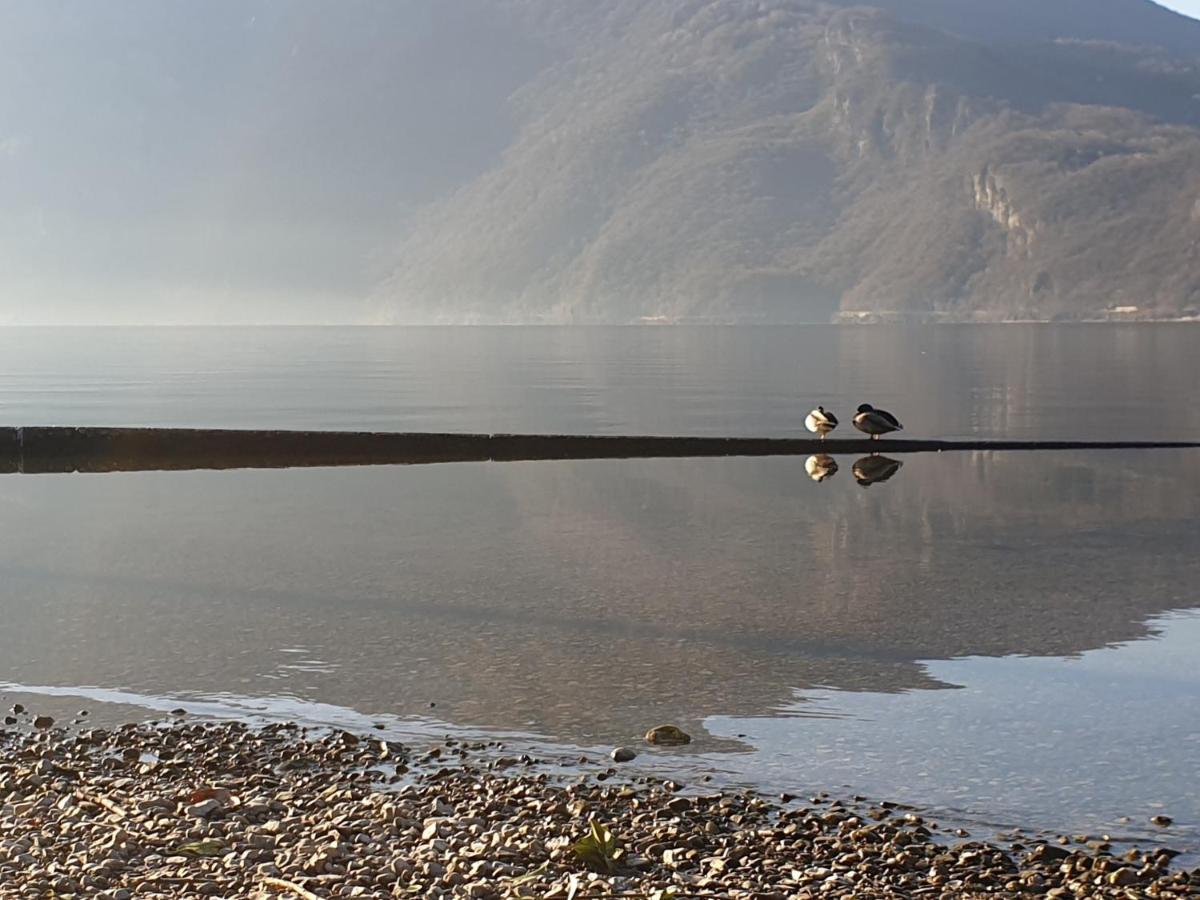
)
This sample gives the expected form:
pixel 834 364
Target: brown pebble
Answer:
pixel 219 807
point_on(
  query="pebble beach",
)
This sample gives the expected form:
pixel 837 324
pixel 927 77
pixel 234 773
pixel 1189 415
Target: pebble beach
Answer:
pixel 227 809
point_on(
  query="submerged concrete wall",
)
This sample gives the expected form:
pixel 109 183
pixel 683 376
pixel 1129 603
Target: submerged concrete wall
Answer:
pixel 51 449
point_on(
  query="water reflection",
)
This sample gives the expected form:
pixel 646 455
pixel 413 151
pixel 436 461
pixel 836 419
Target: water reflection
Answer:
pixel 874 468
pixel 1097 744
pixel 507 594
pixel 820 467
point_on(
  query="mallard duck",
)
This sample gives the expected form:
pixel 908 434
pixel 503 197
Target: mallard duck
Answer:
pixel 873 469
pixel 820 467
pixel 821 422
pixel 875 422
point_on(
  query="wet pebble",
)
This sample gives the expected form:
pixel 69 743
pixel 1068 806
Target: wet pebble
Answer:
pixel 224 808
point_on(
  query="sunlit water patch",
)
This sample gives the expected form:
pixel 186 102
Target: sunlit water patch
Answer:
pixel 1098 743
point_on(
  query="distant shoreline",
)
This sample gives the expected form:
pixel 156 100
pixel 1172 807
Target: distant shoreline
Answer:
pixel 680 323
pixel 890 318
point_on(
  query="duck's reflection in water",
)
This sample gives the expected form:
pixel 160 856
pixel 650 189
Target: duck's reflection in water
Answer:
pixel 873 469
pixel 820 467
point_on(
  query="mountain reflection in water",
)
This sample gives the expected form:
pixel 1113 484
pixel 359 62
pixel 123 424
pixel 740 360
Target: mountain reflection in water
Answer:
pixel 515 595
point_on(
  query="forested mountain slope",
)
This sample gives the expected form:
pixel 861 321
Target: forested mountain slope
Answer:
pixel 744 161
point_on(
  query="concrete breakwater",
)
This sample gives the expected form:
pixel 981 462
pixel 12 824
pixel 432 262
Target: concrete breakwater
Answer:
pixel 63 449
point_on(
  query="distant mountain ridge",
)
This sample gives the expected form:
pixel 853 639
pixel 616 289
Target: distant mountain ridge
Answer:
pixel 1132 22
pixel 718 160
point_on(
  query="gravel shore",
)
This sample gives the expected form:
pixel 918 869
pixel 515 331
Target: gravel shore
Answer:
pixel 228 810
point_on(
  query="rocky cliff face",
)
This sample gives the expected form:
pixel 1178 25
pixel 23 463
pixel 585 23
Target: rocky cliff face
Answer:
pixel 721 160
pixel 992 197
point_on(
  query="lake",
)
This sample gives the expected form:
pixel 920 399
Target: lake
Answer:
pixel 1002 637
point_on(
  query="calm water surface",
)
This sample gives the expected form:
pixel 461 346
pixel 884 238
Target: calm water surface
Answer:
pixel 1005 637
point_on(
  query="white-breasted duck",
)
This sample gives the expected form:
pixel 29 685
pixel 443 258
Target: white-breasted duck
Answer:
pixel 821 421
pixel 875 422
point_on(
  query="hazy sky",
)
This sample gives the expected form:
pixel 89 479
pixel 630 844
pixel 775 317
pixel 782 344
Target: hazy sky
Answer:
pixel 236 160
pixel 1187 7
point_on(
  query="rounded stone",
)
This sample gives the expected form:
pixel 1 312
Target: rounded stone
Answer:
pixel 667 736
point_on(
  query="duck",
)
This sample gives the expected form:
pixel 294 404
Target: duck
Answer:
pixel 875 468
pixel 875 422
pixel 821 422
pixel 820 467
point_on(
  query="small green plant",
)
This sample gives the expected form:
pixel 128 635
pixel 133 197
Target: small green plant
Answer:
pixel 203 848
pixel 599 850
pixel 531 874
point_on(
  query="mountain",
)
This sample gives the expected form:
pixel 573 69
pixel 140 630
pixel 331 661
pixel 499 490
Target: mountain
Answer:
pixel 775 161
pixel 582 161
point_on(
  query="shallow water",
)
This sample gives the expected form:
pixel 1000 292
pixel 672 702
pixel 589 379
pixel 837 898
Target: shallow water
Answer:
pixel 1001 635
pixel 1085 382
